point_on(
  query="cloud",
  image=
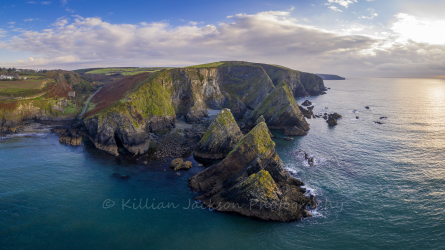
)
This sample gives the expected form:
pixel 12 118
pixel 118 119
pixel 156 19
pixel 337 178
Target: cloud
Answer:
pixel 3 33
pixel 31 19
pixel 334 8
pixel 271 37
pixel 60 22
pixel 419 29
pixel 46 3
pixel 371 15
pixel 69 10
pixel 63 2
pixel 11 23
pixel 344 3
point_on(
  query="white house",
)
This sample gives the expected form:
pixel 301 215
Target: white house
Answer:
pixel 2 77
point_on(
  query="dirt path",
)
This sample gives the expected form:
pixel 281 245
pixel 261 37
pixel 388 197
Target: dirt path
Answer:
pixel 88 101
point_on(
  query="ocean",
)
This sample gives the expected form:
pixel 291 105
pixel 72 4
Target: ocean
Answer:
pixel 379 186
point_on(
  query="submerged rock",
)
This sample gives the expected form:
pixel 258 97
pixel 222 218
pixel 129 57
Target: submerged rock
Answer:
pixel 251 181
pixel 220 138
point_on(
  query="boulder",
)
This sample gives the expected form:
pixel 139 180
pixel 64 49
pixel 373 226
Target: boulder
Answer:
pixel 331 121
pixel 306 103
pixel 176 163
pixel 220 138
pixel 179 164
pixel 251 181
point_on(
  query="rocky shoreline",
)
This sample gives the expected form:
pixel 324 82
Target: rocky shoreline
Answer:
pixel 244 169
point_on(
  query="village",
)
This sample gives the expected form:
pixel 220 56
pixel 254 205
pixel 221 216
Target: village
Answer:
pixel 6 77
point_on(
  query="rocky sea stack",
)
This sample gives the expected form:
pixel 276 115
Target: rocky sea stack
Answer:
pixel 251 181
pixel 220 138
pixel 281 111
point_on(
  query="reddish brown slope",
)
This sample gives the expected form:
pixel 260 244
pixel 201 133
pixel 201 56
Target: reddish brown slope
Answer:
pixel 114 92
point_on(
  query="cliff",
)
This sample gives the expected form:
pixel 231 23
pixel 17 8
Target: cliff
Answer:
pixel 220 138
pixel 155 100
pixel 49 104
pixel 251 181
pixel 330 77
pixel 280 111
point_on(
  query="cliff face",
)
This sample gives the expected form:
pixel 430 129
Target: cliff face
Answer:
pixel 49 104
pixel 251 181
pixel 130 120
pixel 14 113
pixel 159 98
pixel 300 83
pixel 220 138
pixel 280 111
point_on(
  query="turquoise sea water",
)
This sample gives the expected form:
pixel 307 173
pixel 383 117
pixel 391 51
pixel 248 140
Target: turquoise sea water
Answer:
pixel 378 186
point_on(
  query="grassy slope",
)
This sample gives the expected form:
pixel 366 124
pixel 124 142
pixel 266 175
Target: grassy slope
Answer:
pixel 150 96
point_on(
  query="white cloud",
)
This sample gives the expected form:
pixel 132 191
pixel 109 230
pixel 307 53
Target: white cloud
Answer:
pixel 46 3
pixel 11 23
pixel 419 29
pixel 334 8
pixel 69 10
pixel 31 19
pixel 3 33
pixel 270 37
pixel 344 3
pixel 60 22
pixel 63 2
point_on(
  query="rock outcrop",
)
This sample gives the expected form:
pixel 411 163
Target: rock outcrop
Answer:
pixel 308 113
pixel 281 111
pixel 180 164
pixel 332 119
pixel 220 138
pixel 251 181
pixel 70 139
pixel 306 103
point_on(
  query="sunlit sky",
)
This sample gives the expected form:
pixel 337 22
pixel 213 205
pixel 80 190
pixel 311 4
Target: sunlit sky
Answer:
pixel 368 38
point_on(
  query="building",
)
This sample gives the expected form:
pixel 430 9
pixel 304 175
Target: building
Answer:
pixel 17 76
pixel 4 77
pixel 72 94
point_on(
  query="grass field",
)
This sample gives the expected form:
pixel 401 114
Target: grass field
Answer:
pixel 20 84
pixel 24 88
pixel 123 71
pixel 207 65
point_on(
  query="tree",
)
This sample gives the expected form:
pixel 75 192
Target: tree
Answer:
pixel 49 74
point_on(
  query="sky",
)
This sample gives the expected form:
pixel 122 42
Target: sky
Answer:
pixel 351 38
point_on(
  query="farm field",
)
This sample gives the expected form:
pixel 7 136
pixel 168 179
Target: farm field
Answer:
pixel 123 71
pixel 25 84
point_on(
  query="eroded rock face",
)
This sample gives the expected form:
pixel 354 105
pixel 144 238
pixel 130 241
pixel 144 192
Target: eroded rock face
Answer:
pixel 281 111
pixel 251 181
pixel 220 138
pixel 308 113
pixel 104 131
pixel 188 92
pixel 70 139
